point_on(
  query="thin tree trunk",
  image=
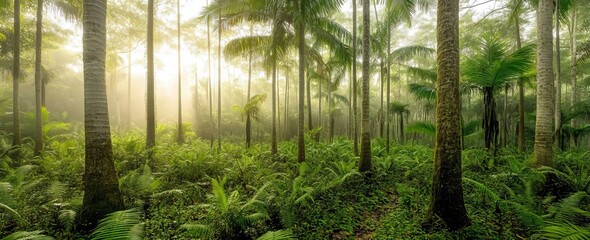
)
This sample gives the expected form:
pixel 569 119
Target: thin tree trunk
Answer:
pixel 505 117
pixel 402 138
pixel 574 68
pixel 354 83
pixel 38 80
pixel 101 187
pixel 365 164
pixel 219 84
pixel 278 92
pixel 285 128
pixel 320 122
pixel 129 85
pixel 16 135
pixel 446 200
pixel 382 110
pixel 180 134
pixel 273 146
pixel 521 116
pixel 557 112
pixel 151 101
pixel 248 118
pixel 210 82
pixel 309 118
pixel 387 114
pixel 301 110
pixel 545 90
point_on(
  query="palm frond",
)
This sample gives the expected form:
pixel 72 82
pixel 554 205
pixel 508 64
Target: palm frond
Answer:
pixel 408 52
pixel 425 128
pixel 423 91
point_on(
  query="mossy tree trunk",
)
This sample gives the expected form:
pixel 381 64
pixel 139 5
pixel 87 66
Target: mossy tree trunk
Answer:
pixel 545 90
pixel 365 164
pixel 446 200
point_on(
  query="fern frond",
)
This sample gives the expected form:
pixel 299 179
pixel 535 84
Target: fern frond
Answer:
pixel 34 235
pixel 564 231
pixel 119 225
pixel 482 189
pixel 67 218
pixel 198 230
pixel 285 234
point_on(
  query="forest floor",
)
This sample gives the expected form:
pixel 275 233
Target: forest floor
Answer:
pixel 190 191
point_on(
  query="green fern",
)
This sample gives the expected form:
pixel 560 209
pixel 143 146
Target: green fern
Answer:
pixel 34 235
pixel 563 231
pixel 119 225
pixel 199 230
pixel 285 234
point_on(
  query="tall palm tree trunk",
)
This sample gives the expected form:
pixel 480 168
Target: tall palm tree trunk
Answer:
pixel 504 139
pixel 273 144
pixel 180 134
pixel 285 128
pixel 16 135
pixel 101 187
pixel 129 84
pixel 388 122
pixel 301 110
pixel 490 120
pixel 354 83
pixel 219 84
pixel 381 100
pixel 365 164
pixel 309 118
pixel 38 45
pixel 320 122
pixel 521 116
pixel 557 112
pixel 210 82
pixel 151 101
pixel 574 68
pixel 248 118
pixel 545 91
pixel 446 199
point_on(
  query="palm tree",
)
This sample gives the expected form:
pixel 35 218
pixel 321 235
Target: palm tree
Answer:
pixel 573 25
pixel 517 9
pixel 16 135
pixel 209 82
pixel 101 187
pixel 180 134
pixel 545 91
pixel 251 110
pixel 301 111
pixel 219 83
pixel 354 83
pixel 446 200
pixel 489 70
pixel 399 109
pixel 151 106
pixel 365 164
pixel 38 79
pixel 280 15
pixel 557 111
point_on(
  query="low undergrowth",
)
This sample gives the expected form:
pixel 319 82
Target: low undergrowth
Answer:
pixel 190 191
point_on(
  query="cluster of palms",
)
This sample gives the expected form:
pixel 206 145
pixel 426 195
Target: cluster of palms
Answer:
pixel 307 27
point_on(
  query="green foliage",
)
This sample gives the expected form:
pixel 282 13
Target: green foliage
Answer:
pixel 277 235
pixel 120 225
pixel 35 235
